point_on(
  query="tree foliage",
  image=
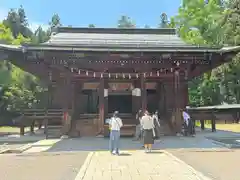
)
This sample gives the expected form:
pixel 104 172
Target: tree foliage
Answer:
pixel 126 22
pixel 18 88
pixel 212 23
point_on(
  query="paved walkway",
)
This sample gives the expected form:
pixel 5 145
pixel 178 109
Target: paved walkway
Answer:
pixel 136 165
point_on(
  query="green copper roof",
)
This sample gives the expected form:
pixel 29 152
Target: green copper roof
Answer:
pixel 115 38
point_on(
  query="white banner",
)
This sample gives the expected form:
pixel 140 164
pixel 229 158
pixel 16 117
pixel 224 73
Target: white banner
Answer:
pixel 136 92
pixel 105 92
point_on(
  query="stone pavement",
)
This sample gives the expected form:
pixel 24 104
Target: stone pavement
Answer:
pixel 136 165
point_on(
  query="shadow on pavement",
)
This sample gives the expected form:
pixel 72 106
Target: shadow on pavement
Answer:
pixel 201 140
pixel 155 152
pixel 125 154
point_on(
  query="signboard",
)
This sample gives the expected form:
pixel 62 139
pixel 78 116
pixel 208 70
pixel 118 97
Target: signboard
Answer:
pixel 151 85
pixel 91 85
pixel 120 86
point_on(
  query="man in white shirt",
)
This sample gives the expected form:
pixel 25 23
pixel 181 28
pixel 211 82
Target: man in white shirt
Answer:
pixel 115 125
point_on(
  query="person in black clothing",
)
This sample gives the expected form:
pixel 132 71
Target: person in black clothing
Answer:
pixel 138 131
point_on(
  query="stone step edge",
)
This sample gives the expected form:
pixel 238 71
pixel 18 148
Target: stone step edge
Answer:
pixel 17 150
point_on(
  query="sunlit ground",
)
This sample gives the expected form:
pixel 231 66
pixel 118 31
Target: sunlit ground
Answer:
pixel 8 129
pixel 225 127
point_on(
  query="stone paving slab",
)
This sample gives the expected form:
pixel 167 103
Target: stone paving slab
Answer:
pixel 218 165
pixel 41 166
pixel 42 145
pixel 136 165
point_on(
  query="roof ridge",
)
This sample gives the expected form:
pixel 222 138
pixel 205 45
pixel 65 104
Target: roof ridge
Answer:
pixel 167 31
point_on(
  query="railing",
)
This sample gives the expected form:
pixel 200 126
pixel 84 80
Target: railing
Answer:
pixel 215 113
pixel 29 117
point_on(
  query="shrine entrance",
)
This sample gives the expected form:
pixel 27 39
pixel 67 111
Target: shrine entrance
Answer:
pixel 120 102
pixel 120 97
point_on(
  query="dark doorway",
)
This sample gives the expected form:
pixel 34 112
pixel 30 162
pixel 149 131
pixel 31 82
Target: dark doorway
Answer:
pixel 152 100
pixel 121 103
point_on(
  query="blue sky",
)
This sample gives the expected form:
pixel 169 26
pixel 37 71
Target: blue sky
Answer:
pixel 102 13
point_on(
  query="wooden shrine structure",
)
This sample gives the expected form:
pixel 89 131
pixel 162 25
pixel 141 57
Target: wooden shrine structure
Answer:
pixel 95 71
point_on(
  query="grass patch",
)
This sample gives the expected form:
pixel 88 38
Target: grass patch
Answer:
pixel 8 129
pixel 224 127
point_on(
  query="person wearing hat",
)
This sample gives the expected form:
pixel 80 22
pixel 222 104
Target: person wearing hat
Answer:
pixel 115 125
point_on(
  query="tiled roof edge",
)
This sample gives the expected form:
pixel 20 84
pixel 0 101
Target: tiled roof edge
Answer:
pixel 114 30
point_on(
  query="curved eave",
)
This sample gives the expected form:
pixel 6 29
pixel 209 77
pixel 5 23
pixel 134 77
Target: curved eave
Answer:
pixel 11 47
pixel 230 49
pixel 122 49
pixel 217 107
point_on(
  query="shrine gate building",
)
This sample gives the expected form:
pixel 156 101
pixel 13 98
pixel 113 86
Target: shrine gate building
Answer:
pixel 95 71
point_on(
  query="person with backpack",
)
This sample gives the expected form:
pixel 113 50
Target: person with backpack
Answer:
pixel 115 124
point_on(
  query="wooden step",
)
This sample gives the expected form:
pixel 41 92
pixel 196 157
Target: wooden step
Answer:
pixel 54 131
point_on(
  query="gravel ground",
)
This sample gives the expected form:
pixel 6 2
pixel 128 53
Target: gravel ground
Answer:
pixel 218 165
pixel 39 166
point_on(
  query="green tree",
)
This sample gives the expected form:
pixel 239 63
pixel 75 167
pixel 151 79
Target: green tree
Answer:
pixel 200 22
pixel 55 21
pixel 17 21
pixel 91 26
pixel 5 34
pixel 126 22
pixel 40 36
pixel 20 89
pixel 232 37
pixel 164 21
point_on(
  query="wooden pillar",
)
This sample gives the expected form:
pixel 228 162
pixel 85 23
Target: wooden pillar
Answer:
pixel 105 98
pixel 67 105
pixel 213 121
pixel 161 98
pixel 73 132
pixel 202 122
pixel 143 93
pixel 136 97
pixel 49 102
pixel 177 107
pixel 101 106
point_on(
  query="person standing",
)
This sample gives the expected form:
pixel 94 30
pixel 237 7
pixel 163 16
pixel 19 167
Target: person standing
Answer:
pixel 138 130
pixel 115 125
pixel 148 131
pixel 186 118
pixel 156 124
pixel 188 124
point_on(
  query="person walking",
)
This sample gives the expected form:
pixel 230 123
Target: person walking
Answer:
pixel 148 131
pixel 156 124
pixel 115 124
pixel 138 130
